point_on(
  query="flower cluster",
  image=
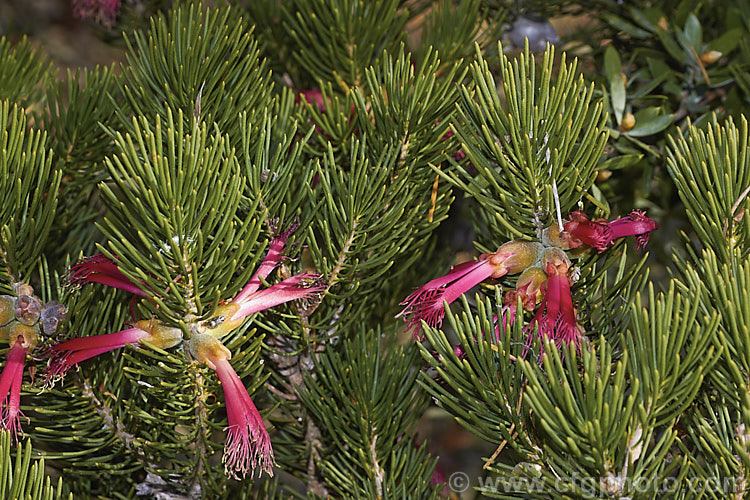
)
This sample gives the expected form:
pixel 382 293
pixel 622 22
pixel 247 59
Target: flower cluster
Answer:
pixel 248 444
pixel 23 318
pixel 544 282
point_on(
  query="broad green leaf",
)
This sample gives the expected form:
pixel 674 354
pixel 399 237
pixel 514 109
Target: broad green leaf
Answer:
pixel 648 122
pixel 621 161
pixel 612 63
pixel 694 32
pixel 617 89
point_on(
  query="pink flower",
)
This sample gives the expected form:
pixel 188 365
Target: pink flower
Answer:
pixel 251 299
pixel 102 11
pixel 426 303
pixel 600 233
pixel 10 388
pixel 248 444
pixel 100 269
pixel 636 224
pixel 583 231
pixel 556 316
pixel 71 352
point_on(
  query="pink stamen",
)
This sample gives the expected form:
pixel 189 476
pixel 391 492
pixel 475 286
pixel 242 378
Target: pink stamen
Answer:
pixel 426 303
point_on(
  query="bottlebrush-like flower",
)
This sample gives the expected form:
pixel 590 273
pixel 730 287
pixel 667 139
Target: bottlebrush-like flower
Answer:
pixel 71 352
pixel 100 269
pixel 22 339
pixel 556 316
pixel 248 444
pixel 426 303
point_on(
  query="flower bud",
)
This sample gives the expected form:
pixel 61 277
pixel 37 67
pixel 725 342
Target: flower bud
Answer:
pixel 628 122
pixel 603 175
pixel 29 335
pixel 52 314
pixel 7 309
pixel 552 237
pixel 710 56
pixel 555 262
pixel 221 323
pixel 22 289
pixel 514 256
pixel 529 287
pixel 205 347
pixel 27 309
pixel 162 336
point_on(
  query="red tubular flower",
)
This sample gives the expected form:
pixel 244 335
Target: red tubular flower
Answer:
pixel 582 231
pixel 600 233
pixel 10 388
pixel 100 269
pixel 248 444
pixel 636 224
pixel 426 303
pixel 22 339
pixel 251 300
pixel 270 261
pixel 556 317
pixel 71 352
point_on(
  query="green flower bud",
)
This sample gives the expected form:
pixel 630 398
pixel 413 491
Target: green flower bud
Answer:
pixel 513 257
pixel 7 309
pixel 162 336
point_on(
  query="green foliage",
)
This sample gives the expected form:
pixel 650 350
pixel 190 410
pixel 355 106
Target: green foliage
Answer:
pixel 374 208
pixel 74 118
pixel 204 62
pixel 548 136
pixel 343 37
pixel 28 187
pixel 24 74
pixel 484 399
pixel 272 160
pixel 375 389
pixel 182 168
pixel 22 479
pixel 711 170
pixel 448 26
pixel 175 207
pixel 607 288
